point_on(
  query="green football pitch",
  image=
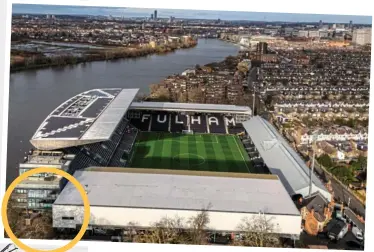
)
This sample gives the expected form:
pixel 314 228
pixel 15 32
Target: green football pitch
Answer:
pixel 201 152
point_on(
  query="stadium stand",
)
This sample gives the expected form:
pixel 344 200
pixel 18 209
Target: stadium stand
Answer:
pixel 198 123
pixel 160 121
pixel 216 124
pixel 178 123
pixel 138 120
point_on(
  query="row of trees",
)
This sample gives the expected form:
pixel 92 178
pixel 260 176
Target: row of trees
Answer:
pixel 39 60
pixel 258 231
pixel 344 172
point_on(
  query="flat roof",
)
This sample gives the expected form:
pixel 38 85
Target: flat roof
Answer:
pixel 196 107
pixel 280 158
pixel 106 123
pixel 190 191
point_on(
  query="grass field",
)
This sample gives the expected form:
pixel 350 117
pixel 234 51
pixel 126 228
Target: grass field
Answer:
pixel 205 152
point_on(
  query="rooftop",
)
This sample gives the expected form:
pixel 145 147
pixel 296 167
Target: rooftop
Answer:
pixel 196 107
pixel 281 159
pixel 88 117
pixel 182 190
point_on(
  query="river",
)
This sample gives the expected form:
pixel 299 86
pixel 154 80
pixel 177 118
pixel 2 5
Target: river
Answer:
pixel 34 94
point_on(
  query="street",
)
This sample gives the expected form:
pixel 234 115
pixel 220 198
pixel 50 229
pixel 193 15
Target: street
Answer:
pixel 340 192
pixel 322 239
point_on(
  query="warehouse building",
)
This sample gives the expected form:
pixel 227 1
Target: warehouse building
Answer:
pixel 119 196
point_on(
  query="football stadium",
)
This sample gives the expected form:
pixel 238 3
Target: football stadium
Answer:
pixel 162 159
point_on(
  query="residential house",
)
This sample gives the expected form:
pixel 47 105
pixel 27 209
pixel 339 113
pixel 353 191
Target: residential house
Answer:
pixel 316 212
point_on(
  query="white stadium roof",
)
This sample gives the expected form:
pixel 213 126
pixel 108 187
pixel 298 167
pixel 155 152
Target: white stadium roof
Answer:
pixel 88 117
pixel 193 107
pixel 180 190
pixel 281 159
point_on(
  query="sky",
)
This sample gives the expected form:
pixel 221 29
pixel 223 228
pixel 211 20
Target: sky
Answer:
pixel 203 14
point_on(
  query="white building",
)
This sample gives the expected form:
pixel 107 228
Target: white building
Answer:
pixel 143 196
pixel 303 33
pixel 362 36
pixel 314 34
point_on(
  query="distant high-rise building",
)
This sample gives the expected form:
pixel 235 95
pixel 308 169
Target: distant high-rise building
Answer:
pixel 155 14
pixel 47 16
pixel 334 26
pixel 350 24
pixel 262 48
pixel 361 36
pixel 320 24
pixel 151 16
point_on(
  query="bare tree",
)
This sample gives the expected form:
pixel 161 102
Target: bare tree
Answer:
pixel 177 231
pixel 196 95
pixel 167 230
pixel 182 97
pixel 198 225
pixel 40 227
pixel 259 231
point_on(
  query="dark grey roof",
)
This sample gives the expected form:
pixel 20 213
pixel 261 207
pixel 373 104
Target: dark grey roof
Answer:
pixel 281 159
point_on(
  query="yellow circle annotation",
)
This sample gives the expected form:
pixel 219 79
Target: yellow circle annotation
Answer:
pixel 74 181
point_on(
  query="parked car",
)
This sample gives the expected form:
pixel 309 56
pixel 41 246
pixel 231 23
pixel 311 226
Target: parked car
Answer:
pixel 357 233
pixel 336 229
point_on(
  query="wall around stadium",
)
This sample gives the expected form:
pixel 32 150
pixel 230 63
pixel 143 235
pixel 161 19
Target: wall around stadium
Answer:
pixel 144 217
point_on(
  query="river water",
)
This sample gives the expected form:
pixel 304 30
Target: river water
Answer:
pixel 34 94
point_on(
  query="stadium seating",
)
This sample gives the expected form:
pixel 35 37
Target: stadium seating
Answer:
pixel 216 124
pixel 235 129
pixel 198 123
pixel 125 146
pixel 140 120
pixel 178 122
pixel 160 122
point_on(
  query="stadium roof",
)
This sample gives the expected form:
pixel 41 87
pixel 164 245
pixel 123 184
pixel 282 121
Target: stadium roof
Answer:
pixel 281 159
pixel 189 191
pixel 194 107
pixel 88 117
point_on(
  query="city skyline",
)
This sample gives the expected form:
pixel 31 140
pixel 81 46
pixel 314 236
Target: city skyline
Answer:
pixel 187 14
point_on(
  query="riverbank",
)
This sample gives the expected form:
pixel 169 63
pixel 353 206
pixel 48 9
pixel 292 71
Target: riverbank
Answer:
pixel 32 61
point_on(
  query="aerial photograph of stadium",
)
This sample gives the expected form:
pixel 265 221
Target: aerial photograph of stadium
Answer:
pixel 189 128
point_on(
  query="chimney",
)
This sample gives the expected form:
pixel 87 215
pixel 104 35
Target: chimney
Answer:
pixel 300 201
pixel 326 211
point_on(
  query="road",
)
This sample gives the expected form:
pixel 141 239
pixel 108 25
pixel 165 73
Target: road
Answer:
pixel 322 239
pixel 341 193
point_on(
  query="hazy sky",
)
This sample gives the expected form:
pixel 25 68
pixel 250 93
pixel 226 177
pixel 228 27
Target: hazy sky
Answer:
pixel 164 13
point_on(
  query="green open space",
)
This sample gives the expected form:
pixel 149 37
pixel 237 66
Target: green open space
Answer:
pixel 200 152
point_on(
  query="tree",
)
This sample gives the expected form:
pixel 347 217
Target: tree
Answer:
pixel 162 94
pixel 182 97
pixel 40 227
pixel 176 230
pixel 195 95
pixel 167 230
pixel 325 160
pixel 198 225
pixel 259 231
pixel 344 173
